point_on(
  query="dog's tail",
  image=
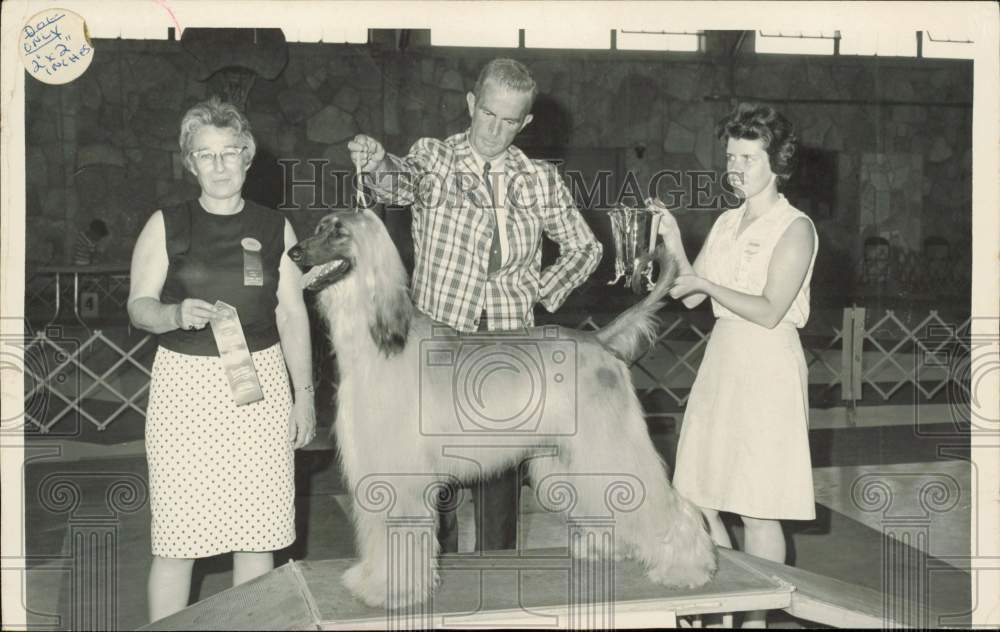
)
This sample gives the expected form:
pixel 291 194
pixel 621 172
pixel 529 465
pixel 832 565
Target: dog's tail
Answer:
pixel 627 335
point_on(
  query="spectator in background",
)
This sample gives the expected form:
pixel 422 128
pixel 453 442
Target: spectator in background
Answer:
pixel 936 269
pixel 90 241
pixel 875 278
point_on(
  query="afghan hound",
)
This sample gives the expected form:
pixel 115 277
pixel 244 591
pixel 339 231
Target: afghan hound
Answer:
pixel 421 408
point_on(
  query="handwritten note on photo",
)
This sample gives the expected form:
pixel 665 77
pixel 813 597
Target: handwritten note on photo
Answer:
pixel 54 46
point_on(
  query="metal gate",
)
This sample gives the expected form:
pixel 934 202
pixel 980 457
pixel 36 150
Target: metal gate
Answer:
pixel 91 366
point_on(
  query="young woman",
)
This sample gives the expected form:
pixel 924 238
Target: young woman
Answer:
pixel 744 443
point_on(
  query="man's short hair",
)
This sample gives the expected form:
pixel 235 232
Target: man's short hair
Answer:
pixel 510 74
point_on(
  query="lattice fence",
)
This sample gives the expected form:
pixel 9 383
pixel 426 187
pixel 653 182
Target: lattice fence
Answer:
pixel 76 372
pixel 74 375
pixel 94 293
pixel 925 353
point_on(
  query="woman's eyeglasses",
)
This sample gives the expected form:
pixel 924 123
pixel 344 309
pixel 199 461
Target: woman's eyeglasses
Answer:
pixel 230 156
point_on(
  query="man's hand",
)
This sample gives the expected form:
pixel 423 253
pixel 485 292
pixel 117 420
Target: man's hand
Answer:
pixel 366 153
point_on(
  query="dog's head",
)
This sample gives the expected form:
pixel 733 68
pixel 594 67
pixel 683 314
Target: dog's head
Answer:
pixel 331 253
pixel 354 249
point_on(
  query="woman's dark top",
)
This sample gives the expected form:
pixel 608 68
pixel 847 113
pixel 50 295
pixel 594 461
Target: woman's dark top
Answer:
pixel 206 256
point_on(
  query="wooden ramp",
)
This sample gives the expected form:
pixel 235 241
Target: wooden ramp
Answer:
pixel 542 588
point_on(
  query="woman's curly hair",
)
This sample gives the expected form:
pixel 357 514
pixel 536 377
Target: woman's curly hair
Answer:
pixel 752 121
pixel 218 113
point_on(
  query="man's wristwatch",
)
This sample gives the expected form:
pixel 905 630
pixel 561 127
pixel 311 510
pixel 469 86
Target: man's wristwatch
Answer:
pixel 309 389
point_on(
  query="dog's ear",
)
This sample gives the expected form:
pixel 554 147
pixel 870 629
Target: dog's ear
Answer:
pixel 383 279
pixel 390 324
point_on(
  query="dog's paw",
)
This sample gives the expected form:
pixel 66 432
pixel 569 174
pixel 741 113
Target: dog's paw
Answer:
pixel 374 588
pixel 419 591
pixel 405 599
pixel 677 576
pixel 373 591
pixel 600 551
pixel 354 579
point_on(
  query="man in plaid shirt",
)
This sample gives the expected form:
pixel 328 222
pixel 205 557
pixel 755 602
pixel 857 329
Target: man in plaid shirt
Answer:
pixel 480 207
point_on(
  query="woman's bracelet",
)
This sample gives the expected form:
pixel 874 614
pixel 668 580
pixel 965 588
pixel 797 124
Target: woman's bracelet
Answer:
pixel 309 388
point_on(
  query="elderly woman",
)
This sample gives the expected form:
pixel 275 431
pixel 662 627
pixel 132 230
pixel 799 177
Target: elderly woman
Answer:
pixel 744 443
pixel 220 473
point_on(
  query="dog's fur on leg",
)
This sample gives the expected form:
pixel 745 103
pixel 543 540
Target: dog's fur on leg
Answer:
pixel 394 419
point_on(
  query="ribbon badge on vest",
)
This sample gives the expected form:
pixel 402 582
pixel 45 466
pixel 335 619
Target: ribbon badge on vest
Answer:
pixel 253 264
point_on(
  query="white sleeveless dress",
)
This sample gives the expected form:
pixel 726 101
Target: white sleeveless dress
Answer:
pixel 744 442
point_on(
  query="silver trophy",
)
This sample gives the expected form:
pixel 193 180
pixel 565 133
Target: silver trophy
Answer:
pixel 633 231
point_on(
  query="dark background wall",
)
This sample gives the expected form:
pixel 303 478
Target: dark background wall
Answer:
pixel 105 146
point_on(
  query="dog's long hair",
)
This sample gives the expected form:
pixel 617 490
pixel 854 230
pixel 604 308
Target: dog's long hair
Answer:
pixel 395 420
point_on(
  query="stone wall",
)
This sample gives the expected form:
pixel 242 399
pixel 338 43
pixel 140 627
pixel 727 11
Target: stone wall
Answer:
pixel 106 145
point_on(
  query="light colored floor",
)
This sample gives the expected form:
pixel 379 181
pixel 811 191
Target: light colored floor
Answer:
pixel 946 534
pixel 905 500
pixel 927 504
pixel 877 416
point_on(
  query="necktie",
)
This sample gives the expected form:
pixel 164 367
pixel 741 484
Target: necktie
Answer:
pixel 495 254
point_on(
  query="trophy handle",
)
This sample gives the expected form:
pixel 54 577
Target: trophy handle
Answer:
pixel 654 231
pixel 642 269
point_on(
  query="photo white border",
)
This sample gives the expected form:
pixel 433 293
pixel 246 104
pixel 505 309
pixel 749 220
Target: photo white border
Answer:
pixel 307 21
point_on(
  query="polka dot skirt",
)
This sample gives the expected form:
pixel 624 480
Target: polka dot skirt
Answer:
pixel 221 476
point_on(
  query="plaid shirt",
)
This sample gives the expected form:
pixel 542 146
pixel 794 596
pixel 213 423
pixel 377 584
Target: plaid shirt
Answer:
pixel 453 224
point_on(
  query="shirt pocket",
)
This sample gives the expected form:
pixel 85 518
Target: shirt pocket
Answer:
pixel 435 190
pixel 524 232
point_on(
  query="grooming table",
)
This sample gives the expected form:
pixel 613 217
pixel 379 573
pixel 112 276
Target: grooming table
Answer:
pixel 543 588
